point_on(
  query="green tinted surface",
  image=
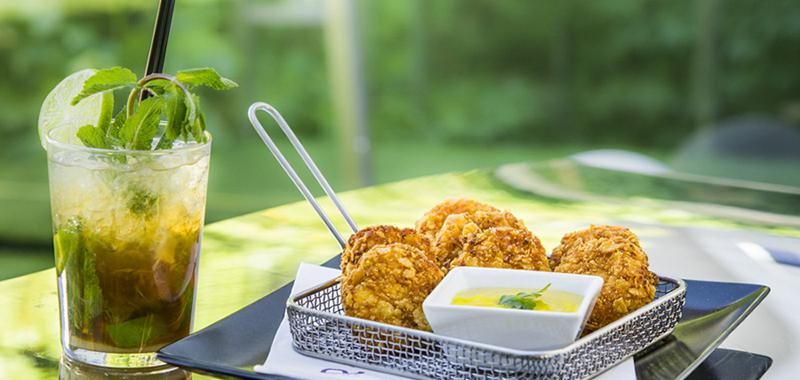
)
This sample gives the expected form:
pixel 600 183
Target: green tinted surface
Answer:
pixel 247 257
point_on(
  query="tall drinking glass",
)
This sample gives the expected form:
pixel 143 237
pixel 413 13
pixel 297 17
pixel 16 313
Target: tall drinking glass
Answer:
pixel 127 227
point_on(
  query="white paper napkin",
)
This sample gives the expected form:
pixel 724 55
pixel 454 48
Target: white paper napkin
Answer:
pixel 284 360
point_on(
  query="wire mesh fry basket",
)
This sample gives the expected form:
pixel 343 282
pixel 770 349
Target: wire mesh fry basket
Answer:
pixel 320 329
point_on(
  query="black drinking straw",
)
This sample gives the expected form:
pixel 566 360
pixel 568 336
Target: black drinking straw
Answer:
pixel 158 45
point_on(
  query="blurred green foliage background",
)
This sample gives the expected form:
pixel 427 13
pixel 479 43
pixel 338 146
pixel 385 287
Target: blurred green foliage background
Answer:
pixel 449 84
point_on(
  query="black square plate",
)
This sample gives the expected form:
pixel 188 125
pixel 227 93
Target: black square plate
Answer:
pixel 233 345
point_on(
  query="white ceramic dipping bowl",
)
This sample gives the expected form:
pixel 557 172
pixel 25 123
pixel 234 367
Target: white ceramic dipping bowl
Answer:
pixel 529 330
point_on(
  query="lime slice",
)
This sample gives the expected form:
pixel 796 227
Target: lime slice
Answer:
pixel 57 112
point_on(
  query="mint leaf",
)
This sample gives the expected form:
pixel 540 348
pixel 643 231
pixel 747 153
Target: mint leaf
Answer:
pixel 95 136
pixel 139 130
pixel 136 332
pixel 92 297
pixel 112 134
pixel 196 101
pixel 141 201
pixel 67 243
pixel 517 302
pixel 522 300
pixel 106 112
pixel 195 126
pixel 199 127
pixel 76 261
pixel 176 117
pixel 105 80
pixel 92 137
pixel 205 76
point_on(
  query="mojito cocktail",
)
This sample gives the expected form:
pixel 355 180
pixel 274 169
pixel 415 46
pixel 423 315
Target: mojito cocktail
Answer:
pixel 128 202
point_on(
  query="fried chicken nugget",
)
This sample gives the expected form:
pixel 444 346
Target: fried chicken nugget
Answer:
pixel 449 240
pixel 615 254
pixel 457 228
pixel 432 221
pixel 503 247
pixel 366 238
pixel 389 284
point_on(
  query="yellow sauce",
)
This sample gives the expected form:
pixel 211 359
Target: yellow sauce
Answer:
pixel 550 300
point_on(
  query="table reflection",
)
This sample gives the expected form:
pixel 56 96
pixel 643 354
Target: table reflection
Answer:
pixel 72 370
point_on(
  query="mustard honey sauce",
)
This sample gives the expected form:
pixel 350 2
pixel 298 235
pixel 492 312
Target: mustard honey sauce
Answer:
pixel 520 298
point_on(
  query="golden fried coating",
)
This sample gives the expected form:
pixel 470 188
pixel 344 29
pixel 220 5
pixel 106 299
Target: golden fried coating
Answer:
pixel 457 228
pixel 503 247
pixel 430 223
pixel 366 238
pixel 389 284
pixel 615 254
pixel 449 241
pixel 489 219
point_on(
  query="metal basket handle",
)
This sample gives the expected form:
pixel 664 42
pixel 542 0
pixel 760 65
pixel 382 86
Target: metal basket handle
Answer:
pixel 287 167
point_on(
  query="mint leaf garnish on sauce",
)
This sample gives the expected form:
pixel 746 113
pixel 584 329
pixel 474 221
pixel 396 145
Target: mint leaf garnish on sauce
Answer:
pixel 137 125
pixel 522 300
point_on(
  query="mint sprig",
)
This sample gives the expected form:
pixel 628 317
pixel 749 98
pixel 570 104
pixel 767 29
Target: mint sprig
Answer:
pixel 522 300
pixel 137 126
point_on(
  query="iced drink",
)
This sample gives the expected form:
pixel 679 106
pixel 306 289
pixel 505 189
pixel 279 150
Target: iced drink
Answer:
pixel 127 230
pixel 128 194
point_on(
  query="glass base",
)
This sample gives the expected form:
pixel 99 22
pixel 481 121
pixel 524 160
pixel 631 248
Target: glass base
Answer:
pixel 73 370
pixel 113 359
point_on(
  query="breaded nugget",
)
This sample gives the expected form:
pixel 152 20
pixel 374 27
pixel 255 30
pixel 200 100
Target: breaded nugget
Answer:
pixel 457 228
pixel 430 223
pixel 449 241
pixel 503 247
pixel 389 284
pixel 489 219
pixel 366 238
pixel 615 254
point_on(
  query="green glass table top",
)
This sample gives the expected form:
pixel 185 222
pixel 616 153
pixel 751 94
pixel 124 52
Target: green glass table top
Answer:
pixel 247 257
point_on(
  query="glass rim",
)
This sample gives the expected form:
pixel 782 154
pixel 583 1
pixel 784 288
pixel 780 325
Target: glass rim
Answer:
pixel 52 140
